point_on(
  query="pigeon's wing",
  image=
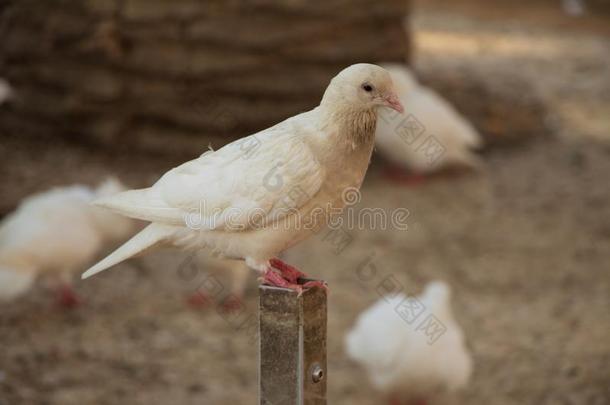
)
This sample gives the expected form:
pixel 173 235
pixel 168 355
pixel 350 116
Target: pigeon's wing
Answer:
pixel 248 182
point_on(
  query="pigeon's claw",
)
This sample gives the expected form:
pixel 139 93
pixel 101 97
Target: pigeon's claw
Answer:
pixel 291 274
pixel 274 279
pixel 288 277
pixel 315 283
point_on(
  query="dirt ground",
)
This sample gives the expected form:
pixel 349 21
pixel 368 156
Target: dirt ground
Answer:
pixel 525 244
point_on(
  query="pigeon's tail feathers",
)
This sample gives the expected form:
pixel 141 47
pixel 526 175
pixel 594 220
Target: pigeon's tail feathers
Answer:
pixel 141 204
pixel 151 236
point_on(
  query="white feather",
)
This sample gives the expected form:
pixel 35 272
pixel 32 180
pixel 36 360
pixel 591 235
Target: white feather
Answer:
pixel 400 358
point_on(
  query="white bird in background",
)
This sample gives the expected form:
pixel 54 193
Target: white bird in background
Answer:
pixel 430 136
pixel 262 194
pixel 56 233
pixel 403 357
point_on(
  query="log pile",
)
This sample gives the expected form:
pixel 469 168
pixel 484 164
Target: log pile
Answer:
pixel 167 76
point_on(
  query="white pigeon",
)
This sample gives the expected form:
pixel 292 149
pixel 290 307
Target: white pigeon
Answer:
pixel 411 349
pixel 56 233
pixel 262 194
pixel 431 135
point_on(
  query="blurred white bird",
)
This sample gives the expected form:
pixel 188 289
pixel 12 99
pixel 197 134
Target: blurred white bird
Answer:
pixel 410 357
pixel 56 233
pixel 262 194
pixel 430 135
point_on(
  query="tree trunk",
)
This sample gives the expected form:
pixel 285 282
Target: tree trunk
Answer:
pixel 169 76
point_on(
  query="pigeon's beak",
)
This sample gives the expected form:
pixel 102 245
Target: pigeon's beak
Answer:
pixel 392 101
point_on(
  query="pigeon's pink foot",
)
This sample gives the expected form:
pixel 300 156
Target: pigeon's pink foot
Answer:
pixel 198 300
pixel 315 283
pixel 67 298
pixel 291 274
pixel 232 304
pixel 274 279
pixel 400 176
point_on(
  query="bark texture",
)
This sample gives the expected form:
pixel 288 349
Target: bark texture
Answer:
pixel 167 76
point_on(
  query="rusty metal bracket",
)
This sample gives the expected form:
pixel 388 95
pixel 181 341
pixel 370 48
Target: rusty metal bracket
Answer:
pixel 292 346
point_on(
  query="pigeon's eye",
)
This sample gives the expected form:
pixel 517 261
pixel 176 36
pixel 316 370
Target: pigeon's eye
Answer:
pixel 367 87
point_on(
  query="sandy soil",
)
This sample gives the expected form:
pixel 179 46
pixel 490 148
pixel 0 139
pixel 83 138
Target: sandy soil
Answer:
pixel 525 246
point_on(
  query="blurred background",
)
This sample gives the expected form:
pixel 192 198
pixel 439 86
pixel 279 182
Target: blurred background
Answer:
pixel 132 88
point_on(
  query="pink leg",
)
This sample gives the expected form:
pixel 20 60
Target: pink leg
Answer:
pixel 198 300
pixel 289 280
pixel 400 176
pixel 67 297
pixel 276 280
pixel 312 284
pixel 292 274
pixel 232 304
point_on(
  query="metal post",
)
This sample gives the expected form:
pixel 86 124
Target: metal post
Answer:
pixel 292 346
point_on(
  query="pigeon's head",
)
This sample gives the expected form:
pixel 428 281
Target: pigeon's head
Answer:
pixel 362 87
